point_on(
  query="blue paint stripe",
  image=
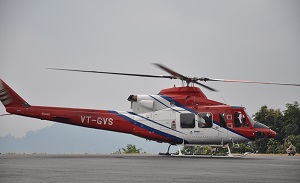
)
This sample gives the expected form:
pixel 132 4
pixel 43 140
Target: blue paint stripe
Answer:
pixel 150 129
pixel 164 104
pixel 178 104
pixel 132 113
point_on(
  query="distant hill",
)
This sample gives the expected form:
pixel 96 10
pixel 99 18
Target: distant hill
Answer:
pixel 62 138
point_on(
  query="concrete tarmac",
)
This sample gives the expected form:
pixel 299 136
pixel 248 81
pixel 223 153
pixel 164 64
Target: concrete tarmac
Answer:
pixel 147 168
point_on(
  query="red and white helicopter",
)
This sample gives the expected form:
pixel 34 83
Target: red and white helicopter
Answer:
pixel 178 115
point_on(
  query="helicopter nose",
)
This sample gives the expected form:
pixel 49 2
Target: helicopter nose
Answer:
pixel 271 134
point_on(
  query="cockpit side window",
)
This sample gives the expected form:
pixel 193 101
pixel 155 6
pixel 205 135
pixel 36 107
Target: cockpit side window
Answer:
pixel 240 120
pixel 245 122
pixel 237 119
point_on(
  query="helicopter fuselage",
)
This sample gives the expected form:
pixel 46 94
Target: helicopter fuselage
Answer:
pixel 178 115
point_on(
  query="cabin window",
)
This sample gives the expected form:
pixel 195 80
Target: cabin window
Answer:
pixel 187 120
pixel 205 120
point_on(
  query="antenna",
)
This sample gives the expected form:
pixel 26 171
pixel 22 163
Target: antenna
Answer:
pixel 223 99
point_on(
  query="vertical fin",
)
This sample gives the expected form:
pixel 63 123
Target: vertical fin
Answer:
pixel 10 98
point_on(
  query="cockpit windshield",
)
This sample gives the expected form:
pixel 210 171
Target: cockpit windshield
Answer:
pixel 255 123
pixel 249 117
pixel 259 125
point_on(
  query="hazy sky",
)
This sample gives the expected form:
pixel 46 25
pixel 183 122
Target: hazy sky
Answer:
pixel 248 40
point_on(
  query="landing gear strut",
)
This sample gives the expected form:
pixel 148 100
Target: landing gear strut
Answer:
pixel 229 151
pixel 168 151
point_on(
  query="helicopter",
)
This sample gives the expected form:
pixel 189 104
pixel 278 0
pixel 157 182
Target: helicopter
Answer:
pixel 177 115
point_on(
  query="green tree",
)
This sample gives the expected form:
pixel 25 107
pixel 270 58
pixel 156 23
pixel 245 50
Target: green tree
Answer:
pixel 242 148
pixel 272 146
pixel 196 150
pixel 291 124
pixel 188 150
pixel 131 149
pixel 272 118
pixel 286 124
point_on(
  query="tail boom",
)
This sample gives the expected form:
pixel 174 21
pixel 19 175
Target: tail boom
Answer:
pixel 123 122
pixel 99 119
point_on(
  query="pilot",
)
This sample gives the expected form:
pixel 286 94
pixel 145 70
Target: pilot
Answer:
pixel 201 123
pixel 205 124
pixel 208 122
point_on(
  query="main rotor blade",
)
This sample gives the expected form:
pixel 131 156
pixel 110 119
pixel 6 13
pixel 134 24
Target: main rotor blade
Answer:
pixel 173 73
pixel 181 77
pixel 244 81
pixel 115 73
pixel 207 87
